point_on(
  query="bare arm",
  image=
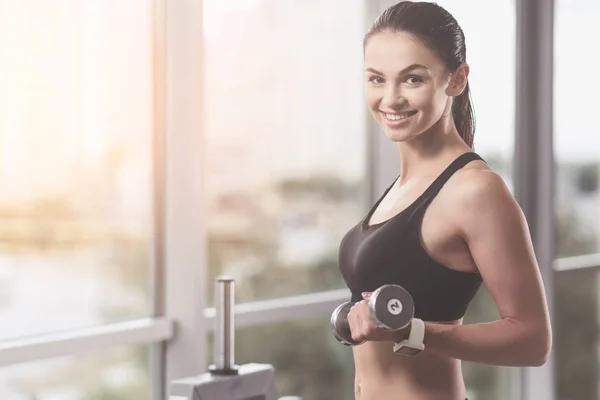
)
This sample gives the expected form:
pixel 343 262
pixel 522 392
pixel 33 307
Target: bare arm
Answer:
pixel 494 227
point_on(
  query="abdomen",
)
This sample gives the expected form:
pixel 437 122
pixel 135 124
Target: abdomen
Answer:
pixel 383 375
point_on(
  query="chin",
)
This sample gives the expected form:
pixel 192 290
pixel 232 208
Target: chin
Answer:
pixel 398 136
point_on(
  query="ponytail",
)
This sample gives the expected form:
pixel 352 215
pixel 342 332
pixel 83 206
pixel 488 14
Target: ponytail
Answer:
pixel 464 117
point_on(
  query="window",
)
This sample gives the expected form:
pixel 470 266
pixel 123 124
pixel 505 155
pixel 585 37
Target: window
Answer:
pixel 577 153
pixel 576 122
pixel 116 374
pixel 285 135
pixel 75 164
pixel 76 197
pixel 309 362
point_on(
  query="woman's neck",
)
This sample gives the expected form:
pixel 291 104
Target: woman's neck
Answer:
pixel 426 154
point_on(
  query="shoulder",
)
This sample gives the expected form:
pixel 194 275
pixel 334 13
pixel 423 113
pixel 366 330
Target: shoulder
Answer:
pixel 476 194
pixel 479 187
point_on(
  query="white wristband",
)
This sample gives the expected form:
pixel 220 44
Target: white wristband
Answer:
pixel 414 344
pixel 417 332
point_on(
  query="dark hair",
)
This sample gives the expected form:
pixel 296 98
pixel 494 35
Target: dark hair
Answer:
pixel 439 31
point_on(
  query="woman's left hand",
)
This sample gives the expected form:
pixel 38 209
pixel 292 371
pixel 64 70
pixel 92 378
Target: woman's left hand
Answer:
pixel 364 328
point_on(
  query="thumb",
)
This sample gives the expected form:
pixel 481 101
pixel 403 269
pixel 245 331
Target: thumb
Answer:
pixel 366 295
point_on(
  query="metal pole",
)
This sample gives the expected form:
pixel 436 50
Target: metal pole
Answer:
pixel 224 360
pixel 534 163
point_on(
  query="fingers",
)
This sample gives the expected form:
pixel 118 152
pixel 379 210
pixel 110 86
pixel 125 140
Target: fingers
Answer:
pixel 359 321
pixel 354 321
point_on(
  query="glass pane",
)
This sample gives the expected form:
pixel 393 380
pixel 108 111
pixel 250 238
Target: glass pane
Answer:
pixel 309 362
pixel 576 130
pixel 116 374
pixel 492 82
pixel 280 194
pixel 485 381
pixel 75 163
pixel 576 344
pixel 577 150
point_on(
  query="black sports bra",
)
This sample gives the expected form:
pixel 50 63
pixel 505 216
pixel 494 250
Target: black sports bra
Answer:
pixel 391 252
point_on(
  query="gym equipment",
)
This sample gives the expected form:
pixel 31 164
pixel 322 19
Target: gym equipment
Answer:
pixel 390 306
pixel 225 380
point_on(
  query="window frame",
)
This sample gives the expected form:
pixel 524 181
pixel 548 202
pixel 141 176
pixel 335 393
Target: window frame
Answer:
pixel 181 322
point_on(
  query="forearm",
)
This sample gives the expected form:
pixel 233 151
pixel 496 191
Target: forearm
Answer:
pixel 503 342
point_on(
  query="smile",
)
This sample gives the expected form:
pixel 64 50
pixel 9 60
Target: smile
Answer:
pixel 398 116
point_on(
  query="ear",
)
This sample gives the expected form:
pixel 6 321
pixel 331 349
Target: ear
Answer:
pixel 459 80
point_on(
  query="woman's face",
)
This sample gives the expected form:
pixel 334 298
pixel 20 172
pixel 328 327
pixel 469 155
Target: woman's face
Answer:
pixel 406 85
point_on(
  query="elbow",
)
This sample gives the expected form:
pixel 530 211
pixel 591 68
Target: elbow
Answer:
pixel 539 346
pixel 543 354
pixel 537 359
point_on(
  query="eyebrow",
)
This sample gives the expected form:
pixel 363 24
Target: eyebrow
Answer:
pixel 405 70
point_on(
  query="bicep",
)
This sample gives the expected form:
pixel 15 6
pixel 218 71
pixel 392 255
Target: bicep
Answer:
pixel 498 238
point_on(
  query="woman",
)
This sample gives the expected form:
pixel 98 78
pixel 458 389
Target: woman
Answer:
pixel 447 224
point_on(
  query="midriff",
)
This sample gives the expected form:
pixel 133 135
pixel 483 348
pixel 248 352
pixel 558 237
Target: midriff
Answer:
pixel 381 374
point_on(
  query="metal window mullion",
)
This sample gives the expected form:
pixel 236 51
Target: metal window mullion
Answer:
pixel 587 261
pixel 157 278
pixel 85 340
pixel 184 226
pixel 534 161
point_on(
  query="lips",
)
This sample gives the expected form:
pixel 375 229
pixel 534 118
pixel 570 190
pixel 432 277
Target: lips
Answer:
pixel 398 116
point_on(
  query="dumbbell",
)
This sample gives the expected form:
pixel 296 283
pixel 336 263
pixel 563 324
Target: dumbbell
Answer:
pixel 390 306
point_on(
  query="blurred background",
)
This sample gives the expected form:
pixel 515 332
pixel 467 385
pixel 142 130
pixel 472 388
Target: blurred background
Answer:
pixel 286 170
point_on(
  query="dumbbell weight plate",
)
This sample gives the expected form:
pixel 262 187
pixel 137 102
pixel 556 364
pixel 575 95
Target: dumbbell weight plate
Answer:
pixel 340 326
pixel 391 307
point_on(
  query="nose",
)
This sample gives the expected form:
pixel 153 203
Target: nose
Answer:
pixel 392 98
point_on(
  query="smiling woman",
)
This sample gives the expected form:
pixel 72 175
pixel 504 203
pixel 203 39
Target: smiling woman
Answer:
pixel 447 224
pixel 419 86
pixel 292 119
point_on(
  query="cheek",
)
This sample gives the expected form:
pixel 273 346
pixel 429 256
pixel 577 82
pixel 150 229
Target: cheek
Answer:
pixel 372 97
pixel 431 101
pixel 423 98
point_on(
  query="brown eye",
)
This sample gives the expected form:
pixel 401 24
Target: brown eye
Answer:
pixel 376 80
pixel 413 79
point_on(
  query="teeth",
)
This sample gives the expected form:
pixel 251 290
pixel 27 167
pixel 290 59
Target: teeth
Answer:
pixel 397 117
